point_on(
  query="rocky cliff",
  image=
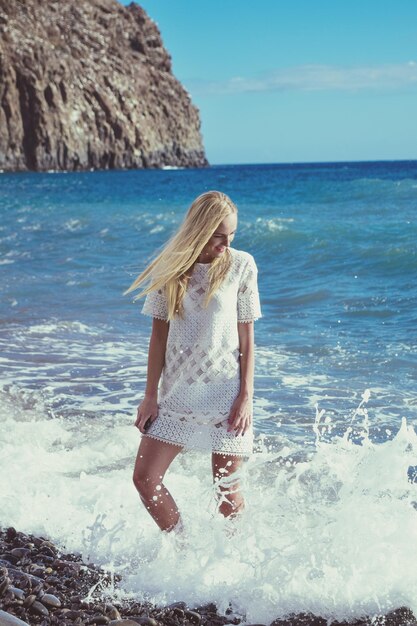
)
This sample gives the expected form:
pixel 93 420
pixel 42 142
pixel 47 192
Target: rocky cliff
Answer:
pixel 88 84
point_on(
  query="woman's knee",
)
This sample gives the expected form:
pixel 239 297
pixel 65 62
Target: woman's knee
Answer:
pixel 145 482
pixel 152 461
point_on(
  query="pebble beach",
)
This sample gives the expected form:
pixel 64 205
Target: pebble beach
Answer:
pixel 40 585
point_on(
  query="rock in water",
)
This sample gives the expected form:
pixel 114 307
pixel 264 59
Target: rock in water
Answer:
pixel 88 85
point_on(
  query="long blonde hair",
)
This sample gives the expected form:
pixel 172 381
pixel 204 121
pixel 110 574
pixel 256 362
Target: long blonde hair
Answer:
pixel 172 268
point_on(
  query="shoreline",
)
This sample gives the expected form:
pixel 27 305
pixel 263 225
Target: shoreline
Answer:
pixel 40 585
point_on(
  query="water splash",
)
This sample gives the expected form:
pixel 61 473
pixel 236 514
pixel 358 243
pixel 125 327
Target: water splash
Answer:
pixel 331 530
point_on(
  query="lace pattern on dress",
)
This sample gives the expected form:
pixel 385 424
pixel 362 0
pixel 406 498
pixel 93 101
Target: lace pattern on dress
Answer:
pixel 248 304
pixel 156 305
pixel 201 436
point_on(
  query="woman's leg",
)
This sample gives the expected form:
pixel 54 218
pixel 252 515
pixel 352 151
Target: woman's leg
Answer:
pixel 227 487
pixel 152 461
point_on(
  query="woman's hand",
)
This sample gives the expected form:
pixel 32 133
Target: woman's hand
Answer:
pixel 240 417
pixel 147 410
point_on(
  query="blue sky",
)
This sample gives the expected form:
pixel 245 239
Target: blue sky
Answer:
pixel 297 80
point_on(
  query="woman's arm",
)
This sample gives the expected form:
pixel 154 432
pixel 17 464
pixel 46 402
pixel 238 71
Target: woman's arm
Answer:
pixel 148 408
pixel 241 414
pixel 247 360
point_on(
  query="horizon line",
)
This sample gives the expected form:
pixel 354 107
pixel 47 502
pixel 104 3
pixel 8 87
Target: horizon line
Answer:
pixel 325 162
pixel 182 168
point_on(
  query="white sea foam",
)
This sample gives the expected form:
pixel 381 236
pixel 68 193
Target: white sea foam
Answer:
pixel 74 225
pixel 333 531
pixel 52 328
pixel 157 229
pixel 273 224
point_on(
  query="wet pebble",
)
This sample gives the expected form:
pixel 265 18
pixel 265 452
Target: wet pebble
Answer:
pixel 29 600
pixel 20 553
pixel 16 573
pixel 7 619
pixel 38 589
pixel 18 593
pixel 193 616
pixel 52 580
pixel 36 569
pixel 177 605
pixel 50 600
pixel 39 608
pixel 46 550
pixel 98 619
pixel 71 614
pixel 112 613
pixel 11 533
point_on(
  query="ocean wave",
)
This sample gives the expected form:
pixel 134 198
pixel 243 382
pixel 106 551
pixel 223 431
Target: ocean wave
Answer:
pixel 60 326
pixel 300 299
pixel 273 224
pixel 74 225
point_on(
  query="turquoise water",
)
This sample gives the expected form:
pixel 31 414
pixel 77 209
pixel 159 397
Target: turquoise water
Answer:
pixel 331 516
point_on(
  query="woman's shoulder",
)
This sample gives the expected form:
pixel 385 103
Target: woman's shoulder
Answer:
pixel 241 258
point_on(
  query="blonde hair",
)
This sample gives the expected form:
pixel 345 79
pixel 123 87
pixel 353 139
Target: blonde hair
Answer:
pixel 173 266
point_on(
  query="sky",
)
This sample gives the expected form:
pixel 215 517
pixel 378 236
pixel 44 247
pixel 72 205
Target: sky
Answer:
pixel 286 81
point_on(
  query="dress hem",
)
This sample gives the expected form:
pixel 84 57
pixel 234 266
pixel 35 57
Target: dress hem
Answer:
pixel 187 449
pixel 158 317
pixel 172 443
pixel 254 319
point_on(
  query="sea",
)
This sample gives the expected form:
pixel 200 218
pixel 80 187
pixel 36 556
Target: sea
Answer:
pixel 330 524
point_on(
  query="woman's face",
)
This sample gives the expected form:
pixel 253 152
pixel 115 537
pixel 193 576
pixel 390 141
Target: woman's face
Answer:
pixel 220 239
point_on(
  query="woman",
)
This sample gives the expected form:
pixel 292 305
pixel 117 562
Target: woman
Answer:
pixel 203 298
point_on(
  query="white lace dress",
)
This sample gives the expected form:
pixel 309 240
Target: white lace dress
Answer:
pixel 201 376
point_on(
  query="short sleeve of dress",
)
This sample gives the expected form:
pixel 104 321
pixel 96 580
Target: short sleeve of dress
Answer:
pixel 155 305
pixel 248 303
